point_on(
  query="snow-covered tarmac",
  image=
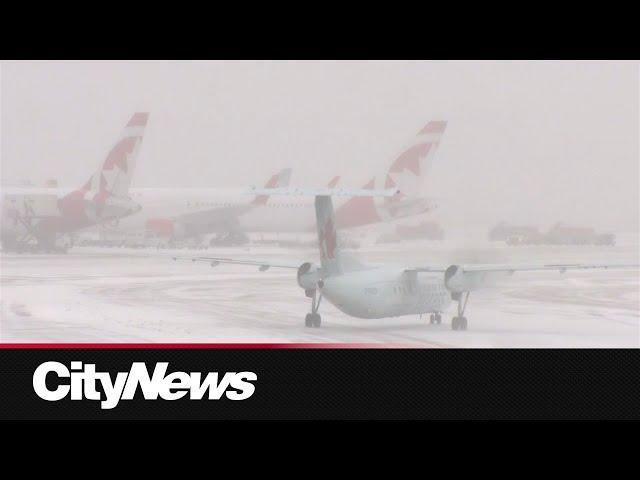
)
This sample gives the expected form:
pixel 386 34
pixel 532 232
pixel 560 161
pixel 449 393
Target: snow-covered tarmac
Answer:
pixel 114 295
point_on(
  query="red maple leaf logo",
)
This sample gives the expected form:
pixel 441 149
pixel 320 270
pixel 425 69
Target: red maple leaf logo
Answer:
pixel 329 238
pixel 118 154
pixel 410 159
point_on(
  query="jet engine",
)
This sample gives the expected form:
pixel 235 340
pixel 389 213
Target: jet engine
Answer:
pixel 458 281
pixel 167 228
pixel 308 276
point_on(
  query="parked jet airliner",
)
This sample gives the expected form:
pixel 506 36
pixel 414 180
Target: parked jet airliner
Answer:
pixel 43 214
pixel 106 201
pixel 183 213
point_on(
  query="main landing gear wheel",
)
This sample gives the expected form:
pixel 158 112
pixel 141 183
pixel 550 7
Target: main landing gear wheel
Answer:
pixel 313 319
pixel 435 318
pixel 459 322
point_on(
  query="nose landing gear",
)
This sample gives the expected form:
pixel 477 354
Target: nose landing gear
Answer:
pixel 313 319
pixel 435 318
pixel 459 322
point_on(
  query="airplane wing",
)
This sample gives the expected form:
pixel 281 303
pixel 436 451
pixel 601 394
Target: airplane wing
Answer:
pixel 560 267
pixel 466 278
pixel 325 192
pixel 262 265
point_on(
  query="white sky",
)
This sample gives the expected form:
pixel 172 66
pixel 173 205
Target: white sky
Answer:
pixel 531 141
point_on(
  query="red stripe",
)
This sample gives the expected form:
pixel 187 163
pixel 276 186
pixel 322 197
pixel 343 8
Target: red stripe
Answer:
pixel 206 346
pixel 271 183
pixel 334 181
pixel 437 126
pixel 138 119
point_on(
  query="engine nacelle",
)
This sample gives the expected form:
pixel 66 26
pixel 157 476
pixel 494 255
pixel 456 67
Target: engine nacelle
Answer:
pixel 308 276
pixel 458 281
pixel 165 228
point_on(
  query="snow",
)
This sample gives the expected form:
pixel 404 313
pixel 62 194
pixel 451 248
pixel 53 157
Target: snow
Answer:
pixel 118 295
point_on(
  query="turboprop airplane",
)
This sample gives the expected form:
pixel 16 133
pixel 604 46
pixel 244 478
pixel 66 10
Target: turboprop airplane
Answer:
pixel 42 214
pixel 379 291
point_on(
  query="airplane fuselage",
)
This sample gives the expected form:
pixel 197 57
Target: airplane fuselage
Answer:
pixel 181 213
pixel 380 292
pixel 199 211
pixel 46 214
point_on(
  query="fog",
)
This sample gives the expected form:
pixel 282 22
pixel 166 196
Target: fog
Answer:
pixel 527 141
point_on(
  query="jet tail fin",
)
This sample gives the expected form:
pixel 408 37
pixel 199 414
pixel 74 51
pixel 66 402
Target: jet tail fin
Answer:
pixel 279 180
pixel 327 236
pixel 333 182
pixel 407 174
pixel 116 172
pixel 408 171
pixel 360 210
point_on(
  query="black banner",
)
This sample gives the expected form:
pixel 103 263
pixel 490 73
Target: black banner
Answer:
pixel 326 384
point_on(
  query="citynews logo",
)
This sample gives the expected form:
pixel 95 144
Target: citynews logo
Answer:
pixel 84 381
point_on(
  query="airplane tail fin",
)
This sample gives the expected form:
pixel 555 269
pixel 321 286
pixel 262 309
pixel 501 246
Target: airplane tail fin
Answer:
pixel 409 170
pixel 333 182
pixel 116 172
pixel 327 236
pixel 279 180
pixel 358 211
pixel 407 173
